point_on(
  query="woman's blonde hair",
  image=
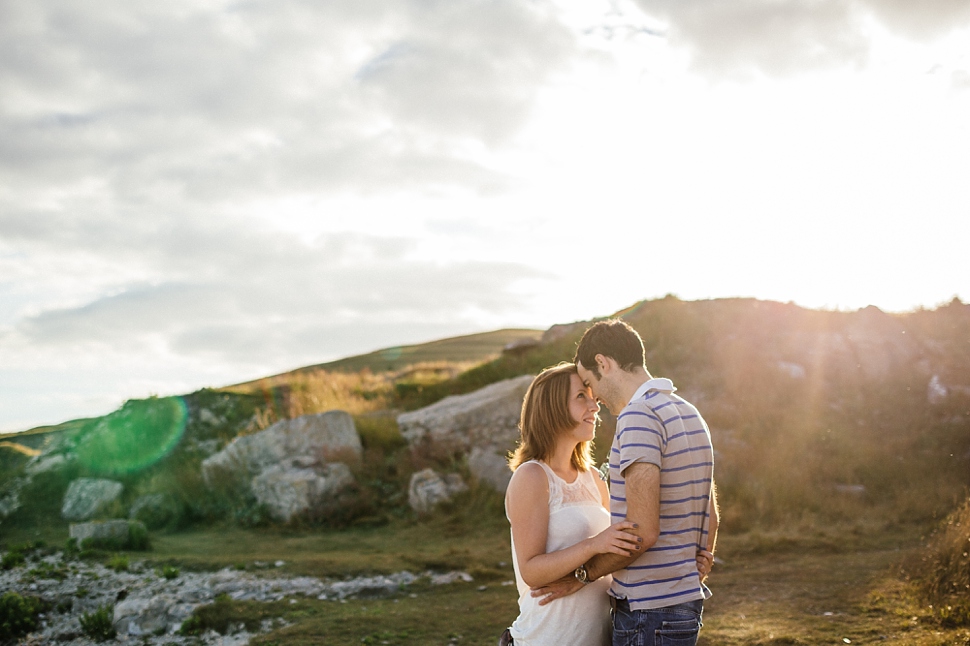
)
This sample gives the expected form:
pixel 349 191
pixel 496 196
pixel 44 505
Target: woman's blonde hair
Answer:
pixel 545 415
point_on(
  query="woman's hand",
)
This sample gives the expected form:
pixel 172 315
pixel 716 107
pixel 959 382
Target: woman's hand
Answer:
pixel 705 562
pixel 618 538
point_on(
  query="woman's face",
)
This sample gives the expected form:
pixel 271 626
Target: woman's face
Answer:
pixel 582 408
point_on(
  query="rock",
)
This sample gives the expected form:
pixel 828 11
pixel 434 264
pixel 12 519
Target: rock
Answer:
pixel 520 346
pixel 10 499
pixel 288 491
pixel 562 330
pixel 488 417
pixel 86 497
pixel 482 425
pixel 108 532
pixel 936 391
pixel 428 489
pixel 491 466
pixel 322 438
pixel 155 510
pixel 857 491
pixel 211 419
pixel 43 463
pixel 294 465
pixel 161 613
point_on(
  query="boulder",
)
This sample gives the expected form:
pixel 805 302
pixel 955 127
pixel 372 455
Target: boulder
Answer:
pixel 86 497
pixel 483 426
pixel 936 391
pixel 456 424
pixel 491 466
pixel 428 489
pixel 115 534
pixel 288 491
pixel 325 437
pixel 44 462
pixel 158 614
pixel 294 465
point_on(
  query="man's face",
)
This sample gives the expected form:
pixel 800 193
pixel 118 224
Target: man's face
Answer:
pixel 603 387
pixel 591 381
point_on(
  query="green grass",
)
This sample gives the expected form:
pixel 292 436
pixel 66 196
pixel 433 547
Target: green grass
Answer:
pixel 471 347
pixel 785 595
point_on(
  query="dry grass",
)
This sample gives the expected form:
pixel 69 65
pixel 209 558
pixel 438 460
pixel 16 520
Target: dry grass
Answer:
pixel 311 391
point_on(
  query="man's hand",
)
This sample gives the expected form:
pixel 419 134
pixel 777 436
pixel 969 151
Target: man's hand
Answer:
pixel 557 589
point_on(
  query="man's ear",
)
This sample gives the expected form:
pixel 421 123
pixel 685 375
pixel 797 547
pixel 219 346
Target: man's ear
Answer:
pixel 603 363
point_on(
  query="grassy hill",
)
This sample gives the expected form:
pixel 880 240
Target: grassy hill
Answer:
pixel 841 439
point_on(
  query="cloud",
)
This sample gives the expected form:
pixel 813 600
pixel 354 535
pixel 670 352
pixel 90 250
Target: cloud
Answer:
pixel 921 21
pixel 783 37
pixel 218 101
pixel 264 297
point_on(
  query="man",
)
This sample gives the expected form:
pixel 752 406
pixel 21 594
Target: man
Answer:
pixel 661 478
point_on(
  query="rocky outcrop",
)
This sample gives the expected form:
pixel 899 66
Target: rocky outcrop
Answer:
pixel 457 424
pixel 490 465
pixel 428 489
pixel 294 465
pixel 44 462
pixel 86 497
pixel 115 533
pixel 287 490
pixel 483 424
pixel 149 608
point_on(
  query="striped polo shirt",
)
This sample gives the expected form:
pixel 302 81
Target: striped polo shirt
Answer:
pixel 661 428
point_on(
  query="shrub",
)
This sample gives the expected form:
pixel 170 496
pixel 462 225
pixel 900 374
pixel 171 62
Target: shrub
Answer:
pixel 98 624
pixel 18 615
pixel 118 563
pixel 11 560
pixel 943 569
pixel 169 572
pixel 71 548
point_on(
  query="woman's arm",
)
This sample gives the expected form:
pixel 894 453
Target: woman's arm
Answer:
pixel 527 502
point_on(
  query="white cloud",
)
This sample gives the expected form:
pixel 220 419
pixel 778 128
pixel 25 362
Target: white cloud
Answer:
pixel 783 37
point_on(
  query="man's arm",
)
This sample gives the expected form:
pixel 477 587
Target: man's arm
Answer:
pixel 643 508
pixel 705 557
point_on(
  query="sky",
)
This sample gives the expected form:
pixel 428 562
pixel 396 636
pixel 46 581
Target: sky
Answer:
pixel 198 193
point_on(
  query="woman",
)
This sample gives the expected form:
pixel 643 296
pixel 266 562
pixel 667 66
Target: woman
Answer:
pixel 559 510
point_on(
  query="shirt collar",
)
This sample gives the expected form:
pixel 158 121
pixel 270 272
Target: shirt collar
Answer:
pixel 657 383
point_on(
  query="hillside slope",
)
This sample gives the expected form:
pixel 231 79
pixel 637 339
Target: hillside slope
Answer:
pixel 820 414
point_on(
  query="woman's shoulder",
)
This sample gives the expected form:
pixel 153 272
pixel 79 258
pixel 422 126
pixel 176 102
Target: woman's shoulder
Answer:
pixel 529 475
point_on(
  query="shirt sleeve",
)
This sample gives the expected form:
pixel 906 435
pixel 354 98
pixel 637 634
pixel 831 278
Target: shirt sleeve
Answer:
pixel 639 436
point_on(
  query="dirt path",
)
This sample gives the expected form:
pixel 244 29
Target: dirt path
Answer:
pixel 813 598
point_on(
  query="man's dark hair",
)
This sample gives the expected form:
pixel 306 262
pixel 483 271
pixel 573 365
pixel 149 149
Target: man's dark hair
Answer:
pixel 612 338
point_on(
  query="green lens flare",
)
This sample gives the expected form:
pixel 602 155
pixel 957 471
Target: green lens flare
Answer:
pixel 133 437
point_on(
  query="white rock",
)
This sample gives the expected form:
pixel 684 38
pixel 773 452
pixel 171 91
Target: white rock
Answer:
pixel 118 530
pixel 936 391
pixel 489 464
pixel 287 492
pixel 294 465
pixel 322 438
pixel 85 497
pixel 43 463
pixel 428 489
pixel 457 424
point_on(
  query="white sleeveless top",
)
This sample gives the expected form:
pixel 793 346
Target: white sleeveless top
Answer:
pixel 575 513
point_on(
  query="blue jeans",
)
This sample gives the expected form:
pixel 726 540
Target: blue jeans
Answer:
pixel 676 625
